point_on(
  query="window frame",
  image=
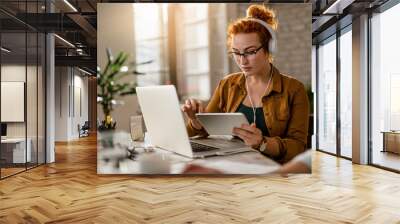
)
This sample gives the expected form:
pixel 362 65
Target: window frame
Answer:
pixel 378 10
pixel 347 27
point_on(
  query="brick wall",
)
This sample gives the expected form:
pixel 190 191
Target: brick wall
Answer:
pixel 294 39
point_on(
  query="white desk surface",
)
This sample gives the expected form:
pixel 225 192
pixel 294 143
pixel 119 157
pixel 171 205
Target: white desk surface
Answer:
pixel 13 140
pixel 165 162
pixel 20 153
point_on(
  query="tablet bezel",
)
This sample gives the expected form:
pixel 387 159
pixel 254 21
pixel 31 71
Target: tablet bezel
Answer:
pixel 221 123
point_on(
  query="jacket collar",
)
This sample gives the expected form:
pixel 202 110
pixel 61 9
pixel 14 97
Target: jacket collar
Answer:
pixel 276 82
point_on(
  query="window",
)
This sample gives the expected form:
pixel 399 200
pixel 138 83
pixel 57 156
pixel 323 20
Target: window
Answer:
pixel 327 96
pixel 151 42
pixel 22 67
pixel 194 73
pixel 385 84
pixel 184 55
pixel 346 93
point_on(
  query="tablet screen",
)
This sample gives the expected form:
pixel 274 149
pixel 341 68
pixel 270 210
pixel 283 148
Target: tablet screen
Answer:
pixel 221 123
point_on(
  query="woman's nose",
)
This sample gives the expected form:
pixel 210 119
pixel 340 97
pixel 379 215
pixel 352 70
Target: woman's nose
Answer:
pixel 243 59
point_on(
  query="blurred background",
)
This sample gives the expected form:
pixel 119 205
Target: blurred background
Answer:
pixel 51 47
pixel 187 44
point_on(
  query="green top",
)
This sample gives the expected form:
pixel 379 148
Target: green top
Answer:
pixel 260 121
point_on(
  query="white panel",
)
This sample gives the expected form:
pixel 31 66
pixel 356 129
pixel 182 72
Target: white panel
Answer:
pixel 12 101
pixel 77 102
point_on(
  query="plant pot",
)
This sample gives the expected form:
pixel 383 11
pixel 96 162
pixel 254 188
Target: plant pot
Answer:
pixel 107 124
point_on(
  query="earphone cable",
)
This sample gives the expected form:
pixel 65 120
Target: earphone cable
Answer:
pixel 248 94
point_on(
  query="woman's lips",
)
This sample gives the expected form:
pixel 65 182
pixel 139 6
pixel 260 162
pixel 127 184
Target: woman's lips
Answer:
pixel 246 68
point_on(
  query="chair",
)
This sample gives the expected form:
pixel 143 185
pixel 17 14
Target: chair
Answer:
pixel 84 130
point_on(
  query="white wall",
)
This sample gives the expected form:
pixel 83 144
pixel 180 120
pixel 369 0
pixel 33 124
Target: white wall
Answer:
pixel 79 117
pixel 67 116
pixel 34 124
pixel 61 103
pixel 15 73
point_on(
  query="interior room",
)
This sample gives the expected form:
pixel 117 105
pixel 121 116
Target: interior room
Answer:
pixel 22 99
pixel 186 46
pixel 30 96
pixel 51 113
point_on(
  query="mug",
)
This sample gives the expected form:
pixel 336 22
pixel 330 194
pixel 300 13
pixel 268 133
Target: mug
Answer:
pixel 137 128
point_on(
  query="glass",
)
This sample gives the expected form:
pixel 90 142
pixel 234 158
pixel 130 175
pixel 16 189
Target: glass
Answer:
pixel 151 43
pixel 22 67
pixel 385 84
pixel 198 86
pixel 197 61
pixel 151 27
pixel 193 55
pixel 41 98
pixel 194 12
pixel 327 96
pixel 15 151
pixel 196 35
pixel 137 128
pixel 346 94
pixel 247 54
pixel 31 89
pixel 31 97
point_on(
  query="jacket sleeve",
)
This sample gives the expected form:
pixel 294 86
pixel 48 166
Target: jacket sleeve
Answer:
pixel 215 105
pixel 295 140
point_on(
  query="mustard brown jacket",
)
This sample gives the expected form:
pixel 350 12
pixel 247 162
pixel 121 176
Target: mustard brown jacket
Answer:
pixel 285 108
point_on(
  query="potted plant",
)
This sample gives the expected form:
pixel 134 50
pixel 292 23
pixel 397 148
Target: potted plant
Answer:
pixel 110 85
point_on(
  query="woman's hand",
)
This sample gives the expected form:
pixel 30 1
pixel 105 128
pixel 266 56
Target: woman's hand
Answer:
pixel 190 108
pixel 251 135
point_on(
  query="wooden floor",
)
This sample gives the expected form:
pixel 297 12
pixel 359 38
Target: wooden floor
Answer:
pixel 5 172
pixel 70 191
pixel 10 171
pixel 386 159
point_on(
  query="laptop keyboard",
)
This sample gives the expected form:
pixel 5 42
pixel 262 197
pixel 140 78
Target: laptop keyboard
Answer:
pixel 196 147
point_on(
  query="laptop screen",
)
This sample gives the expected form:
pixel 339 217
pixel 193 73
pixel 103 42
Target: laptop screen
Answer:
pixel 163 118
pixel 3 129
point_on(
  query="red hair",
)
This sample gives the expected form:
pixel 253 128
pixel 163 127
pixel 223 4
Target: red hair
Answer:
pixel 243 25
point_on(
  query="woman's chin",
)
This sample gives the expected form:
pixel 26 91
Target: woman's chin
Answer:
pixel 247 73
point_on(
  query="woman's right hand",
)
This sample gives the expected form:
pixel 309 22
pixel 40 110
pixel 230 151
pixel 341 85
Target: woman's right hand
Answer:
pixel 190 108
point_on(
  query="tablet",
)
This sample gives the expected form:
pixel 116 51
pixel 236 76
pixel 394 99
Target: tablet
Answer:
pixel 221 123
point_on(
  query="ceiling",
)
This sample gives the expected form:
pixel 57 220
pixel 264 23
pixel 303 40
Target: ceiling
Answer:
pixel 330 15
pixel 76 22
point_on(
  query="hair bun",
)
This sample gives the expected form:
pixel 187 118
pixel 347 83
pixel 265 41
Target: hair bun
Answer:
pixel 263 13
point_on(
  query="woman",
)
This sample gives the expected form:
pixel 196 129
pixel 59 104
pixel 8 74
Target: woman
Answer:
pixel 275 105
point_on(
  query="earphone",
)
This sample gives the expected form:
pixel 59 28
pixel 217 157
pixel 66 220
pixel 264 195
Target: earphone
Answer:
pixel 248 94
pixel 272 48
pixel 272 45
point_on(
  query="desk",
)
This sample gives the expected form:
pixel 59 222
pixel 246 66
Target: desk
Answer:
pixel 162 161
pixel 391 141
pixel 13 150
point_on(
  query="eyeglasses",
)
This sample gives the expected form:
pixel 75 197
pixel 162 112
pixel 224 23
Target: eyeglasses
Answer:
pixel 247 54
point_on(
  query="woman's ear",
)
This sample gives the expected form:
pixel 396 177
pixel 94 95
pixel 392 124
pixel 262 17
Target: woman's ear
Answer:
pixel 267 56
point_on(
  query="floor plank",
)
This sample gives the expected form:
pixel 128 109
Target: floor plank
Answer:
pixel 386 159
pixel 70 191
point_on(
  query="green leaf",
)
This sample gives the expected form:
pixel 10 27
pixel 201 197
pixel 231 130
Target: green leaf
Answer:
pixel 108 80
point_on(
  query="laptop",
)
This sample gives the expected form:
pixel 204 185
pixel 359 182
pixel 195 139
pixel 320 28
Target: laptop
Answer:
pixel 166 127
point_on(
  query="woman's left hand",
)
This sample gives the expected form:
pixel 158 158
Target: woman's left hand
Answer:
pixel 251 135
